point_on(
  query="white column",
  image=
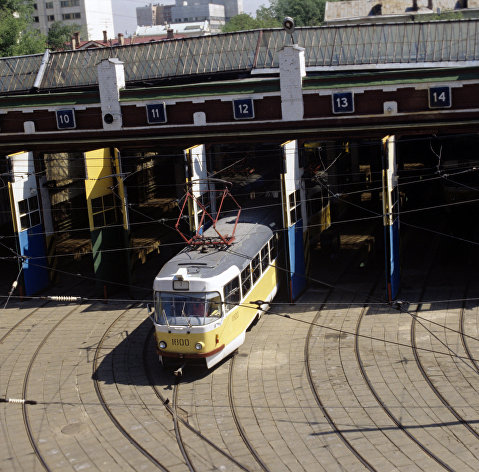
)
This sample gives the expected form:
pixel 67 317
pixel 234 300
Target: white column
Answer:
pixel 111 79
pixel 292 69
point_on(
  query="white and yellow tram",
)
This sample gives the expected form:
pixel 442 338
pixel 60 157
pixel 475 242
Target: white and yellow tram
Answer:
pixel 206 297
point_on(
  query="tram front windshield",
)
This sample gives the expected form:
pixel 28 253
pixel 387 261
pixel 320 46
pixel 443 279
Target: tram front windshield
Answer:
pixel 187 309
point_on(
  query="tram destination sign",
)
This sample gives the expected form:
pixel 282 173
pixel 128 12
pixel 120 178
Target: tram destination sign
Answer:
pixel 243 109
pixel 156 113
pixel 440 97
pixel 66 119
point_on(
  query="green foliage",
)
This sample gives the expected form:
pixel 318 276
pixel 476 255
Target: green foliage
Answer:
pixel 245 22
pixel 240 23
pixel 304 12
pixel 447 15
pixel 17 36
pixel 267 17
pixel 60 34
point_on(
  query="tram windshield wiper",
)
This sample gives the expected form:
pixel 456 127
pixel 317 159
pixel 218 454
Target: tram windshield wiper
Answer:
pixel 185 316
pixel 166 318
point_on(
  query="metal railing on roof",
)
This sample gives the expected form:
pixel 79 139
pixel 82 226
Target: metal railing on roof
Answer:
pixel 326 46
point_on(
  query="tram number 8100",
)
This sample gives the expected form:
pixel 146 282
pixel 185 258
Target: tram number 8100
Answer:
pixel 180 342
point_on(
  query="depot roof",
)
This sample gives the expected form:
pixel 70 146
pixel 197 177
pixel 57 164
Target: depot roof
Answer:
pixel 367 46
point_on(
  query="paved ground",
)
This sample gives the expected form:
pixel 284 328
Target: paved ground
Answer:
pixel 338 381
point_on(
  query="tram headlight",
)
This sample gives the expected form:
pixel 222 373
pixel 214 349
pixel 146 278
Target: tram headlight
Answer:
pixel 162 345
pixel 199 346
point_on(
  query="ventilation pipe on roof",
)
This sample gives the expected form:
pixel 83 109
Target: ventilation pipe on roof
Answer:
pixel 105 36
pixel 41 71
pixel 77 38
pixel 74 46
pixel 121 39
pixel 169 33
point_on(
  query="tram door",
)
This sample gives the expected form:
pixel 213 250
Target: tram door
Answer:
pixel 108 216
pixel 197 174
pixel 390 215
pixel 32 221
pixel 294 218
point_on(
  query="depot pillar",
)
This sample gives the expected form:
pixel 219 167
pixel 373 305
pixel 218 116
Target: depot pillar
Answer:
pixel 390 215
pixel 111 79
pixel 292 69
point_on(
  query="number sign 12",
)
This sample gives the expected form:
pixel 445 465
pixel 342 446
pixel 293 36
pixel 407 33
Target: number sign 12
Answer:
pixel 343 102
pixel 156 113
pixel 66 119
pixel 440 97
pixel 243 109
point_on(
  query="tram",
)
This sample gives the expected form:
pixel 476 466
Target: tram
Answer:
pixel 207 296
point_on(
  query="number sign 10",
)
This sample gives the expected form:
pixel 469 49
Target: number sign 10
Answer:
pixel 66 119
pixel 343 102
pixel 243 109
pixel 440 97
pixel 156 113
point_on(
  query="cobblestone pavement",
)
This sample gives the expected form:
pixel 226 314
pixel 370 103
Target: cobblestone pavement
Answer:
pixel 338 381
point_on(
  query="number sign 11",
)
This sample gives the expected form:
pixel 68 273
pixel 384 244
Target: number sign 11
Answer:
pixel 343 102
pixel 66 119
pixel 440 97
pixel 243 109
pixel 156 113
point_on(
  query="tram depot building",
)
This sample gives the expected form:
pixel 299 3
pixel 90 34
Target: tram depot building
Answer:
pixel 365 122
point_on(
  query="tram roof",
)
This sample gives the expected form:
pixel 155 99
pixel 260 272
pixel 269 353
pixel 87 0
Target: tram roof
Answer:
pixel 250 236
pixel 364 46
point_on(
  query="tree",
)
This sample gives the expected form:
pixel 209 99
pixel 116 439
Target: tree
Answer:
pixel 240 22
pixel 304 12
pixel 60 33
pixel 17 35
pixel 264 19
pixel 267 18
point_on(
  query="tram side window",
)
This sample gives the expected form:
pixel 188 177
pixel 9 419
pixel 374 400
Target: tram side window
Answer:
pixel 232 294
pixel 273 247
pixel 264 257
pixel 246 280
pixel 255 263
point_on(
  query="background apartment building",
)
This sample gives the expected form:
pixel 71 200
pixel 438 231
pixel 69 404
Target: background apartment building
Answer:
pixel 94 16
pixel 216 12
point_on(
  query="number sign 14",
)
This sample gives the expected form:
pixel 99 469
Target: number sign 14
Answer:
pixel 66 119
pixel 440 97
pixel 243 109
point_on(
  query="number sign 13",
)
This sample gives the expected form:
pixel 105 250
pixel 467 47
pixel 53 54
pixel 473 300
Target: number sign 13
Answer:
pixel 243 109
pixel 66 119
pixel 343 102
pixel 440 97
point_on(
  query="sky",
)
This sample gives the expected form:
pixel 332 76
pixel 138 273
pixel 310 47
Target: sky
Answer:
pixel 124 12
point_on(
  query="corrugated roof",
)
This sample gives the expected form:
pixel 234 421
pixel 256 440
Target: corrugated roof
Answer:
pixel 455 41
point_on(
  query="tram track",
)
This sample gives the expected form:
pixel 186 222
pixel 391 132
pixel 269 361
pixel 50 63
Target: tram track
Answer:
pixel 237 421
pixel 309 373
pixel 104 403
pixel 461 420
pixel 26 420
pixel 179 437
pixel 29 315
pixel 464 342
pixel 178 421
pixel 384 407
